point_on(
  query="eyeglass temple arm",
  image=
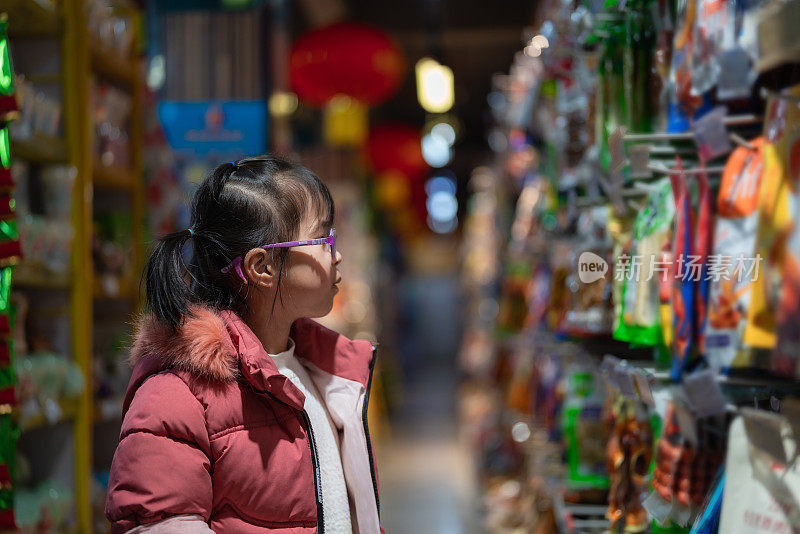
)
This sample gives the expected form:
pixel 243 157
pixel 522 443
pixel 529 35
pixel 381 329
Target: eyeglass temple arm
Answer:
pixel 237 263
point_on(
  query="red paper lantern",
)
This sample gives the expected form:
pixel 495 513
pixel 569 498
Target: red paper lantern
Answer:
pixel 396 147
pixel 345 58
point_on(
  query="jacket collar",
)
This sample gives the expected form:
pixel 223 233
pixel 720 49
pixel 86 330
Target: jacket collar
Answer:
pixel 218 346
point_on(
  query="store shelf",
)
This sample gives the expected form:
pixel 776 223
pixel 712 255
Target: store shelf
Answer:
pixel 112 65
pixel 112 288
pixel 68 409
pixel 41 149
pixel 106 410
pixel 35 275
pixel 83 57
pixel 32 18
pixel 113 177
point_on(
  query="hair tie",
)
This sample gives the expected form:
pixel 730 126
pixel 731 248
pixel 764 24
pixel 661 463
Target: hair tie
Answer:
pixel 233 163
pixel 191 232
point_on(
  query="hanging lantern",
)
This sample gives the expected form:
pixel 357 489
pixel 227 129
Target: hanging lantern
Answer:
pixel 396 147
pixel 347 58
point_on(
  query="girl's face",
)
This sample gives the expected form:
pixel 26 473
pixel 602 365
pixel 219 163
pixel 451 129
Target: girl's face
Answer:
pixel 311 275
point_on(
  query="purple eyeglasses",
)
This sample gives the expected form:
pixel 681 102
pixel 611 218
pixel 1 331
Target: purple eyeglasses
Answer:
pixel 330 241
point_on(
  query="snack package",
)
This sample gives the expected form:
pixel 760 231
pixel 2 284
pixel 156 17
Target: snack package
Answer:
pixel 620 229
pixel 787 348
pixel 682 283
pixel 776 211
pixel 591 309
pixel 673 455
pixel 513 307
pixel 639 69
pixel 703 237
pixel 734 237
pixel 761 486
pixel 584 431
pixel 683 103
pixel 629 451
pixel 740 50
pixel 646 268
pixel 714 19
pixel 662 60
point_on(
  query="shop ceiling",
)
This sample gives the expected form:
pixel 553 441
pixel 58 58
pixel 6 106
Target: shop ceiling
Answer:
pixel 476 38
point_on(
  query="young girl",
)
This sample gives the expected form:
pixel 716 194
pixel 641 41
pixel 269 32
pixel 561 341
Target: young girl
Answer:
pixel 242 415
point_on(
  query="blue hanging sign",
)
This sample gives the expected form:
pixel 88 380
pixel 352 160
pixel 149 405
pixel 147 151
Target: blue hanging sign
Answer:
pixel 233 128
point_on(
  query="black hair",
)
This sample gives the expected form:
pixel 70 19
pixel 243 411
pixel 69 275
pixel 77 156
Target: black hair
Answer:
pixel 239 206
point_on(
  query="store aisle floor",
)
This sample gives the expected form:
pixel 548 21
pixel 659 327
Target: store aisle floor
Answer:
pixel 426 472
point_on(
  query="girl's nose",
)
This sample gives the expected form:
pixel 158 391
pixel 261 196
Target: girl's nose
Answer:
pixel 338 258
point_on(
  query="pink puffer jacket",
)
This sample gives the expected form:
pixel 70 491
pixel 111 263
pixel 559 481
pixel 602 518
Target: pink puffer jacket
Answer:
pixel 212 428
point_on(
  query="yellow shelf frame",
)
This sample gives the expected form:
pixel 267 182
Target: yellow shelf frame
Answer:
pixel 78 134
pixel 82 57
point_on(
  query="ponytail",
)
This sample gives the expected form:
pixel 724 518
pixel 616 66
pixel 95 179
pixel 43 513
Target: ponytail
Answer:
pixel 168 294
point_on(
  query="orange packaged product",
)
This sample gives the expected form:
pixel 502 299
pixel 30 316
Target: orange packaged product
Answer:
pixel 774 221
pixel 734 238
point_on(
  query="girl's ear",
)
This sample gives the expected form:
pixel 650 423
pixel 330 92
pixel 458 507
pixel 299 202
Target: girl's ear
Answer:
pixel 257 266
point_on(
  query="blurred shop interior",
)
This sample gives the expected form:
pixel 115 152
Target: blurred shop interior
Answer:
pixel 567 224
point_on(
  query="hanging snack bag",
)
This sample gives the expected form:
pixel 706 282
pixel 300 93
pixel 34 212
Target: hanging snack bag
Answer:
pixel 703 234
pixel 591 309
pixel 584 430
pixel 775 219
pixel 713 20
pixel 645 268
pixel 629 454
pixel 787 348
pixel 734 237
pixel 620 229
pixel 682 285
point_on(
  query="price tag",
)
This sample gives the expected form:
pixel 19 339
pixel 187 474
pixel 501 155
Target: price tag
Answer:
pixel 658 508
pixel 639 159
pixel 711 135
pixel 705 396
pixel 686 422
pixel 609 370
pixel 736 74
pixel 615 175
pixel 644 387
pixel 625 381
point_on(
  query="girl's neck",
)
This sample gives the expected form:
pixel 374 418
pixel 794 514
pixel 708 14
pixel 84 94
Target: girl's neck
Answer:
pixel 271 329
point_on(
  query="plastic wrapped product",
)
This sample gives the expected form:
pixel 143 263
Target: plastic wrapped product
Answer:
pixel 787 349
pixel 645 268
pixel 734 236
pixel 775 214
pixel 683 282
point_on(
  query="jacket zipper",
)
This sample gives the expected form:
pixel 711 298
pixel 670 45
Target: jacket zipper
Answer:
pixel 314 463
pixel 366 433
